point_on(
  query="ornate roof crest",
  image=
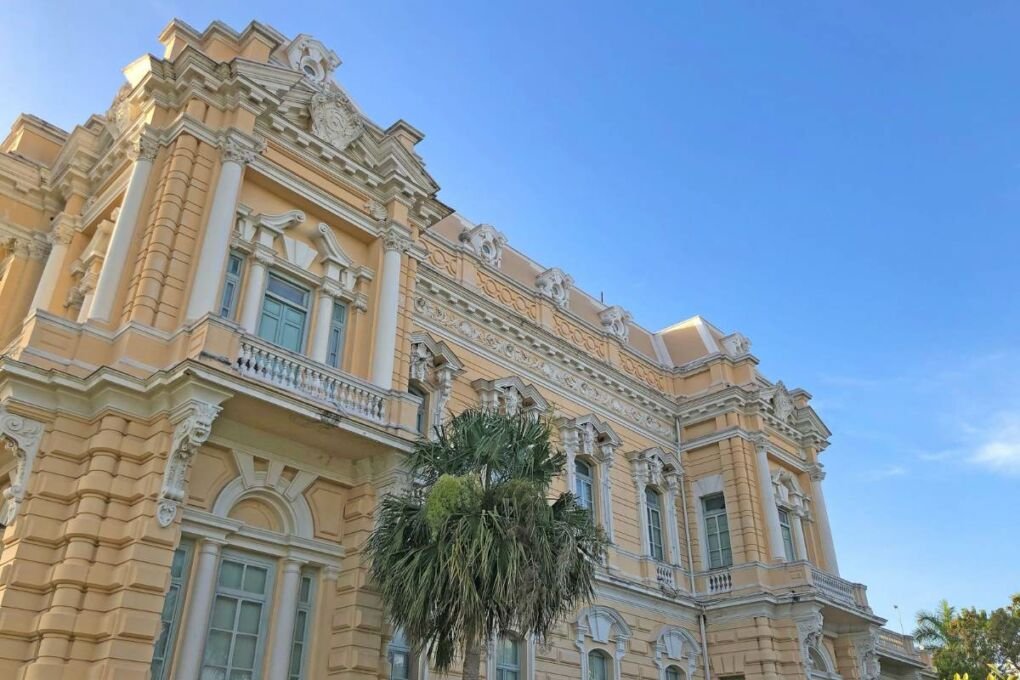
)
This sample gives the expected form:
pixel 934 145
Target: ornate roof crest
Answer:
pixel 615 321
pixel 334 118
pixel 312 59
pixel 486 242
pixel 554 285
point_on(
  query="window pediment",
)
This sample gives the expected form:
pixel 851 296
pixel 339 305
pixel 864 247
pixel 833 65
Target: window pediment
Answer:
pixel 511 395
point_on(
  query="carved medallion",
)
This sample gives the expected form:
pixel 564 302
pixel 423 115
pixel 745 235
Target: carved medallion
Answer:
pixel 334 118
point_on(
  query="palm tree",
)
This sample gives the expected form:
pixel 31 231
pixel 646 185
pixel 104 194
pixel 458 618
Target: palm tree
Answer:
pixel 932 630
pixel 476 547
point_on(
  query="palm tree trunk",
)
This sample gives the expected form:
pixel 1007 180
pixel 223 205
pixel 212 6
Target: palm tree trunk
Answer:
pixel 472 659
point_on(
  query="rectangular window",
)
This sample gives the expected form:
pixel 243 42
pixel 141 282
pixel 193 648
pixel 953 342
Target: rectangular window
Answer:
pixel 717 531
pixel 584 486
pixel 231 286
pixel 508 660
pixel 233 648
pixel 335 348
pixel 653 507
pixel 787 532
pixel 284 314
pixel 302 623
pixel 170 618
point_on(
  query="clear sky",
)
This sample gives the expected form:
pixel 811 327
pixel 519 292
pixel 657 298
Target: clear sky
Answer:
pixel 839 181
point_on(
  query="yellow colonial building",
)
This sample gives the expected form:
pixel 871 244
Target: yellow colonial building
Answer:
pixel 232 303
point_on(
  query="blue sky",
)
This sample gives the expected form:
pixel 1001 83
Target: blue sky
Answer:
pixel 839 181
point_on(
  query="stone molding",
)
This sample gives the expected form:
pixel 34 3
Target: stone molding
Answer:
pixel 433 364
pixel 334 118
pixel 809 634
pixel 21 436
pixel 595 440
pixel 511 395
pixel 189 434
pixel 676 644
pixel 866 649
pixel 241 150
pixel 311 58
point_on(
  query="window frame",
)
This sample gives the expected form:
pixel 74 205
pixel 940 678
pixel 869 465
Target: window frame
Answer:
pixel 786 531
pixel 228 309
pixel 305 309
pixel 337 335
pixel 181 583
pixel 303 606
pixel 422 415
pixel 508 670
pixel 712 519
pixel 398 645
pixel 653 511
pixel 262 636
pixel 605 659
pixel 674 672
pixel 587 479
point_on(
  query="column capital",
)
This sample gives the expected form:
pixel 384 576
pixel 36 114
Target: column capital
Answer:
pixel 64 229
pixel 143 148
pixel 264 255
pixel 331 289
pixel 240 149
pixel 396 237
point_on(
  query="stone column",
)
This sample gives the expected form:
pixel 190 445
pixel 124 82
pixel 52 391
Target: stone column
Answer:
pixel 323 321
pixel 768 500
pixel 286 611
pixel 195 626
pixel 123 234
pixel 817 474
pixel 254 289
pixel 798 535
pixel 395 242
pixel 59 239
pixel 237 152
pixel 673 484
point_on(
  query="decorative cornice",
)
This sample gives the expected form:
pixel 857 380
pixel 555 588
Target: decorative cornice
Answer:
pixel 239 149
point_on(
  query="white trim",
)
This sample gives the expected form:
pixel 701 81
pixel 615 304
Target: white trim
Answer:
pixel 705 486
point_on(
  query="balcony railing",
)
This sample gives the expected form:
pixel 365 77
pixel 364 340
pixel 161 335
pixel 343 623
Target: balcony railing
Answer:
pixel 903 646
pixel 665 576
pixel 720 581
pixel 274 365
pixel 840 590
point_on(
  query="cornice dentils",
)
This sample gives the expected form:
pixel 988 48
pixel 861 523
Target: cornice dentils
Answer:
pixel 486 242
pixel 616 322
pixel 554 285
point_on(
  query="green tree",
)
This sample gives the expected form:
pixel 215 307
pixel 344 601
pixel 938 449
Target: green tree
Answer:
pixel 476 546
pixel 971 641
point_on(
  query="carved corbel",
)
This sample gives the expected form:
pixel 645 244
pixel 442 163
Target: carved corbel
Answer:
pixel 189 435
pixel 21 437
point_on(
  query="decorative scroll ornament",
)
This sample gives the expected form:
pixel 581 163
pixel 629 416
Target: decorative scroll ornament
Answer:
pixel 615 321
pixel 20 437
pixel 312 59
pixel 189 435
pixel 554 285
pixel 736 345
pixel 237 151
pixel 334 118
pixel 867 656
pixel 486 242
pixel 809 631
pixel 782 403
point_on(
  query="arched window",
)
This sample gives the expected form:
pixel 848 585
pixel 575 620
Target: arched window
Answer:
pixel 598 665
pixel 508 659
pixel 674 673
pixel 402 665
pixel 583 485
pixel 653 510
pixel 818 661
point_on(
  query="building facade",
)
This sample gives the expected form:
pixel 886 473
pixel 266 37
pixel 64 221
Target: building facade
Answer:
pixel 232 303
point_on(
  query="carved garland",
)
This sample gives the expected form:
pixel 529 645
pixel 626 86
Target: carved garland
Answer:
pixel 189 435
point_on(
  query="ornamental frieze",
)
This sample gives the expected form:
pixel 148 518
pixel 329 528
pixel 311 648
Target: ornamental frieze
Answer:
pixel 645 374
pixel 543 367
pixel 507 296
pixel 578 336
pixel 443 260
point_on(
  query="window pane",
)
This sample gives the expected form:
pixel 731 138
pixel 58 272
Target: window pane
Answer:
pixel 306 590
pixel 255 580
pixel 399 666
pixel 244 651
pixel 230 574
pixel 288 291
pixel 269 324
pixel 217 647
pixel 714 502
pixel 213 674
pixel 582 469
pixel 241 675
pixel 223 613
pixel 248 621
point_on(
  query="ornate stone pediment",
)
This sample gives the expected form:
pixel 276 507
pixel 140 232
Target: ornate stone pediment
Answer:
pixel 510 395
pixel 311 58
pixel 736 345
pixel 554 285
pixel 486 242
pixel 335 119
pixel 782 404
pixel 616 322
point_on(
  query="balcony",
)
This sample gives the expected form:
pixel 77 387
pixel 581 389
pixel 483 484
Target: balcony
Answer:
pixel 901 648
pixel 792 577
pixel 268 363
